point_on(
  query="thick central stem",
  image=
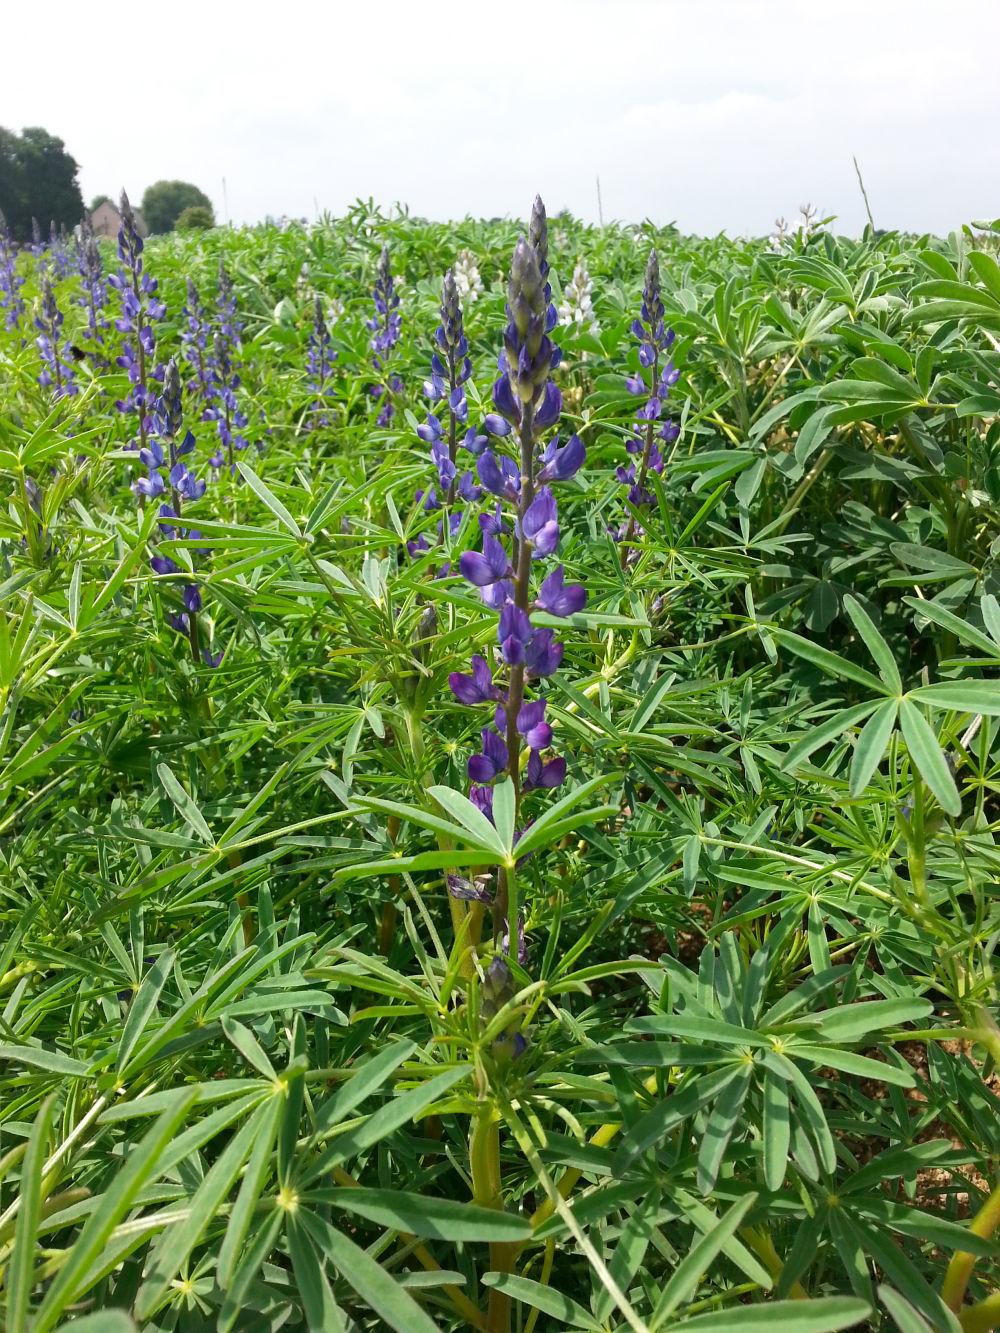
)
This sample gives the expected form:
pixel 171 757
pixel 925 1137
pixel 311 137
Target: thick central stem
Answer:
pixel 515 693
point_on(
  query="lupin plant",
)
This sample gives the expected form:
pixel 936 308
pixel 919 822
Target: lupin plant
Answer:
pixel 194 335
pixel 227 322
pixel 385 325
pixel 320 359
pixel 450 371
pixel 169 479
pixel 11 282
pixel 467 277
pixel 141 309
pixel 225 408
pixel 226 412
pixel 577 304
pixel 62 260
pixel 655 340
pixel 94 293
pixel 57 371
pixel 523 529
pixel 37 246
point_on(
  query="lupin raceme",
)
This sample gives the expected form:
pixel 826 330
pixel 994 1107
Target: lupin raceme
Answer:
pixel 652 383
pixel 518 534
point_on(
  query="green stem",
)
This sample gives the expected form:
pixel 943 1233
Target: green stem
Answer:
pixel 484 1161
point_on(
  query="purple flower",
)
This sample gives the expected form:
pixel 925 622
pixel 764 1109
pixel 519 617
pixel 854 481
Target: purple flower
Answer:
pixel 558 599
pixel 543 654
pixel 386 327
pixel 501 475
pixel 470 890
pixel 482 799
pixel 514 633
pixel 562 464
pixel 478 687
pixel 95 292
pixel 491 565
pixel 484 767
pixel 532 725
pixel 431 431
pixel 320 365
pixel 654 340
pixel 10 280
pixel 57 371
pixel 540 524
pixel 549 774
pixel 140 310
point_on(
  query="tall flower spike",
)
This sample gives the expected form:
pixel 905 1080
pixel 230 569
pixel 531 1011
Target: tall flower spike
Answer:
pixel 226 411
pixel 194 336
pixel 320 363
pixel 168 450
pixel 141 308
pixel 94 293
pixel 385 326
pixel 61 259
pixel 467 279
pixel 450 372
pixel 227 344
pixel 11 281
pixel 527 400
pixel 655 340
pixel 57 371
pixel 577 303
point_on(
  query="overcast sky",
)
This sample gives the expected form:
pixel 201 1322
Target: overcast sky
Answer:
pixel 715 114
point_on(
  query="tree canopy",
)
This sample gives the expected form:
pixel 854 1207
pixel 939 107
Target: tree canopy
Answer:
pixel 165 201
pixel 38 178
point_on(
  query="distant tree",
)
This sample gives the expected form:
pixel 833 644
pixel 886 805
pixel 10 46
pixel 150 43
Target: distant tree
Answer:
pixel 100 199
pixel 195 218
pixel 37 179
pixel 164 202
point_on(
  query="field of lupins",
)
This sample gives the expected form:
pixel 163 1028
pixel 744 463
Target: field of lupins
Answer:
pixel 499 774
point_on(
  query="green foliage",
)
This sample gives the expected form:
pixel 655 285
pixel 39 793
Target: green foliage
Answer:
pixel 254 1070
pixel 37 180
pixel 195 218
pixel 165 202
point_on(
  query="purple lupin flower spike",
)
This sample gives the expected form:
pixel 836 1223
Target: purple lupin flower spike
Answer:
pixel 320 364
pixel 655 339
pixel 527 403
pixel 450 372
pixel 11 281
pixel 385 325
pixel 94 294
pixel 59 252
pixel 57 372
pixel 228 324
pixel 227 345
pixel 226 411
pixel 194 336
pixel 37 246
pixel 141 308
pixel 169 448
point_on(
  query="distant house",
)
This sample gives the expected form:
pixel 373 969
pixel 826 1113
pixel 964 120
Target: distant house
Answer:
pixel 106 220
